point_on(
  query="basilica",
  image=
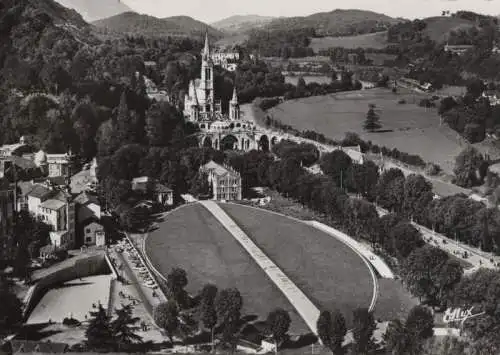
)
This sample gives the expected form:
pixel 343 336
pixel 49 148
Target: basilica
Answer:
pixel 217 129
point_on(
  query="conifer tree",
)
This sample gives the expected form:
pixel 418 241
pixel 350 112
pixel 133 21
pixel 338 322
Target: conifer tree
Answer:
pixel 99 333
pixel 372 120
pixel 124 328
pixel 10 309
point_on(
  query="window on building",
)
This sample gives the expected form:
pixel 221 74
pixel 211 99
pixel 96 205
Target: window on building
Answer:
pixel 87 230
pixel 88 239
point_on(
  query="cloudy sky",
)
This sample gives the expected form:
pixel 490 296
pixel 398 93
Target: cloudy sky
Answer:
pixel 213 10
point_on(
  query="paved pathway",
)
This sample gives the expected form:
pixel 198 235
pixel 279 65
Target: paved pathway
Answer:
pixel 297 298
pixel 476 257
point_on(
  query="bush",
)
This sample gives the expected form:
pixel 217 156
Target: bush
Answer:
pixel 71 322
pixel 432 169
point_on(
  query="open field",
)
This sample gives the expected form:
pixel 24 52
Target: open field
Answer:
pixel 371 40
pixel 73 298
pixel 325 269
pixel 407 127
pixel 191 238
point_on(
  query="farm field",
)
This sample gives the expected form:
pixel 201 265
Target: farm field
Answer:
pixel 191 238
pixel 371 40
pixel 407 127
pixel 326 270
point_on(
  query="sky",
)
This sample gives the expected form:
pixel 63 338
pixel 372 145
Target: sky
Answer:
pixel 214 10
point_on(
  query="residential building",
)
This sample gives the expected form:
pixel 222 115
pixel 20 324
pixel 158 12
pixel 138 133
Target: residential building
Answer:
pixel 164 195
pixel 458 49
pixel 225 182
pixel 492 96
pixel 55 165
pixel 87 206
pixel 8 150
pixel 161 193
pixel 93 233
pixel 56 207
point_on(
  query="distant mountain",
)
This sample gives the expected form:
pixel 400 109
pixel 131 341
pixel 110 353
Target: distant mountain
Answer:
pixel 134 23
pixel 92 10
pixel 337 22
pixel 241 23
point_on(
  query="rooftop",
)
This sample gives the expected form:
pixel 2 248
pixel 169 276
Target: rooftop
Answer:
pixel 85 198
pixel 162 188
pixel 218 169
pixel 39 191
pixel 53 204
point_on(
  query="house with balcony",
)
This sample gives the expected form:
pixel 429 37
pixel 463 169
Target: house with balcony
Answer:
pixel 224 181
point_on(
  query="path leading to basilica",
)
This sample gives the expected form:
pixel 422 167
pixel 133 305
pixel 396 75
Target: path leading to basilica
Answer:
pixel 307 310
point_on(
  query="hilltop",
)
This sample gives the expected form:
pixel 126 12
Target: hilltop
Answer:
pixel 241 23
pixel 134 23
pixel 337 22
pixel 92 10
pixel 439 27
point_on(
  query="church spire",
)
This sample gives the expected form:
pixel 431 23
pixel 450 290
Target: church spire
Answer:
pixel 206 50
pixel 235 96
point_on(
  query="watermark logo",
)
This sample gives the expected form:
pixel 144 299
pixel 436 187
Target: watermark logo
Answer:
pixel 459 315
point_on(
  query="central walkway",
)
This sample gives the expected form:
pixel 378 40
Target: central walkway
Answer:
pixel 297 298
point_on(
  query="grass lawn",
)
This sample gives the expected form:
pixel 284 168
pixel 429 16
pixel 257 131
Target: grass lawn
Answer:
pixel 325 269
pixel 191 238
pixel 371 40
pixel 408 127
pixel 394 300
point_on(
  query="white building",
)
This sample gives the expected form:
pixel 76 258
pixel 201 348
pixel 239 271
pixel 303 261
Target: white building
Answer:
pixel 54 164
pixel 227 60
pixel 224 181
pixel 56 208
pixel 93 233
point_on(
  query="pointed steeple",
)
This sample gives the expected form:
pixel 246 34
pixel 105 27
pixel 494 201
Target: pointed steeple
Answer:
pixel 206 50
pixel 195 95
pixel 234 100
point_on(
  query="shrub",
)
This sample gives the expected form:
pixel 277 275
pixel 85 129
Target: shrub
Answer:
pixel 71 322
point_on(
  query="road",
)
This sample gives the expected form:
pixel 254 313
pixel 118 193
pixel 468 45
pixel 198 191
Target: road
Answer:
pixel 476 257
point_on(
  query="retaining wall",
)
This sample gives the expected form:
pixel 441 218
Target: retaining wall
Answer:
pixel 90 266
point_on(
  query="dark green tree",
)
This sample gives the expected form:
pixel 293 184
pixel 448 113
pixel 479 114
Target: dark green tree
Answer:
pixel 363 328
pixel 124 328
pixel 467 165
pixel 176 282
pixel 99 334
pixel 166 316
pixel 11 314
pixel 278 323
pixel 372 120
pixel 208 311
pixel 332 330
